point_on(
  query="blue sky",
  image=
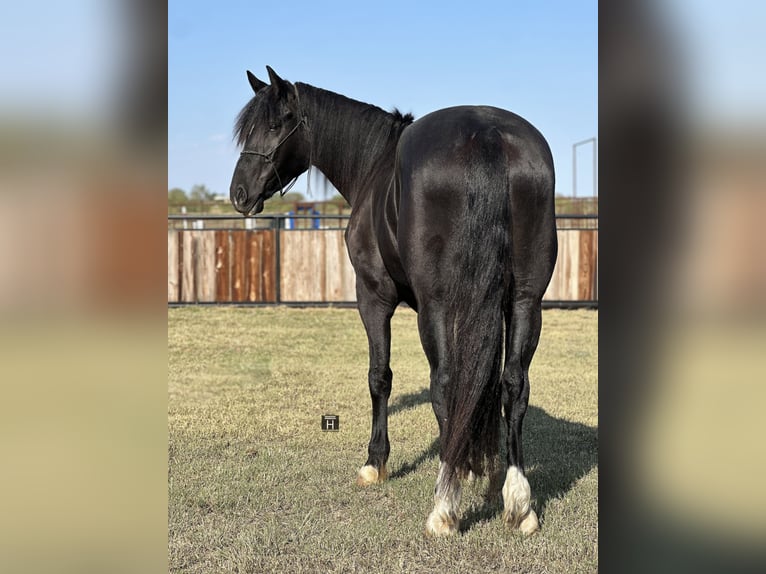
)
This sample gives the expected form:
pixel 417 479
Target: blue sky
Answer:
pixel 537 58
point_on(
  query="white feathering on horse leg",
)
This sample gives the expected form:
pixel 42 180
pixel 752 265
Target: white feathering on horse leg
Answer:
pixel 444 519
pixel 516 499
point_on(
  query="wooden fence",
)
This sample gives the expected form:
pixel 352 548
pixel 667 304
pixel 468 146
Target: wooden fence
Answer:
pixel 312 266
pixel 575 277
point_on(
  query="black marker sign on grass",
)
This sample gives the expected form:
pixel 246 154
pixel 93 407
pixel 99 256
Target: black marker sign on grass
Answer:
pixel 330 423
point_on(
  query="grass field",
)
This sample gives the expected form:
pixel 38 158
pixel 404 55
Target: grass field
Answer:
pixel 256 486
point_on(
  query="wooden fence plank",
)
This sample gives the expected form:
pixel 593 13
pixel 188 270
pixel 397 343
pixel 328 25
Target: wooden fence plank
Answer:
pixel 299 280
pixel 205 277
pixel 255 266
pixel 288 260
pixel 173 285
pixel 239 275
pixel 188 242
pixel 558 286
pixel 308 278
pixel 318 257
pixel 341 280
pixel 595 265
pixel 587 251
pixel 333 269
pixel 569 282
pixel 222 267
pixel 269 265
pixel 572 253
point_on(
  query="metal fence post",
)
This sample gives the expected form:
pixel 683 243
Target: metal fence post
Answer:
pixel 592 141
pixel 278 262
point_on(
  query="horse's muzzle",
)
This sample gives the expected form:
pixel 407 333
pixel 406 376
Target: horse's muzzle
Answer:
pixel 243 203
pixel 239 198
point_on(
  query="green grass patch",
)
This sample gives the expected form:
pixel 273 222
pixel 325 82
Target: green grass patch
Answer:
pixel 256 486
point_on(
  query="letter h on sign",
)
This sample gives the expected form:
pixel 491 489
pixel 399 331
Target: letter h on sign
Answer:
pixel 330 423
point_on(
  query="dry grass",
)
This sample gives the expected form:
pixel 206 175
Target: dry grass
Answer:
pixel 255 486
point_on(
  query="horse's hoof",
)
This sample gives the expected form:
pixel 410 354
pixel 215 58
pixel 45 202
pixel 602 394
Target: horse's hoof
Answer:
pixel 370 475
pixel 527 524
pixel 516 499
pixel 530 525
pixel 441 524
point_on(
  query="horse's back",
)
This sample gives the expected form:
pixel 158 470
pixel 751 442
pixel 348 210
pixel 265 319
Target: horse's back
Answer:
pixel 460 134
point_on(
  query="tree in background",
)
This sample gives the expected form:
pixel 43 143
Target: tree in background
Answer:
pixel 339 200
pixel 201 193
pixel 293 197
pixel 177 196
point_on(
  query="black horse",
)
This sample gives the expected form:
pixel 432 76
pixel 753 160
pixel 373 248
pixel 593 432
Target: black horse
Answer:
pixel 452 214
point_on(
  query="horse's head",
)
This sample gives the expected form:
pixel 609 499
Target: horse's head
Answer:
pixel 273 134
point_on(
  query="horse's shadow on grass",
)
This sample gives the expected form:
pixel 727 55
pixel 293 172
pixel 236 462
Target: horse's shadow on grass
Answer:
pixel 404 402
pixel 557 453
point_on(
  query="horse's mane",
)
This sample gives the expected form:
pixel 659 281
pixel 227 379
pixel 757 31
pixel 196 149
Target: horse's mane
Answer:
pixel 246 117
pixel 403 118
pixel 244 122
pixel 348 124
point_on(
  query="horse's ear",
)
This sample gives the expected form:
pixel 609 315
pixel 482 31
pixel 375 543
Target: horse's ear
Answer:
pixel 255 83
pixel 279 84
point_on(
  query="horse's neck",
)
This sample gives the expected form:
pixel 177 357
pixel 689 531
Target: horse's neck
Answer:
pixel 351 141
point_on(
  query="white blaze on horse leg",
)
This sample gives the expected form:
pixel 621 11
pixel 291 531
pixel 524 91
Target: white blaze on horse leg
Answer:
pixel 516 498
pixel 445 517
pixel 368 475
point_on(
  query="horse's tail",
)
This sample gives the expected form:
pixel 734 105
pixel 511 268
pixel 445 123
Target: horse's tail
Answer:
pixel 481 278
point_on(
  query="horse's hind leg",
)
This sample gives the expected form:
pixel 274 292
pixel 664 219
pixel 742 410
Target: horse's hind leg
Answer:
pixel 522 334
pixel 445 516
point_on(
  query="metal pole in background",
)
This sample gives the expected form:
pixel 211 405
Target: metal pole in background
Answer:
pixel 278 263
pixel 574 164
pixel 574 170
